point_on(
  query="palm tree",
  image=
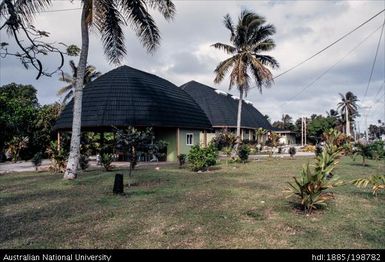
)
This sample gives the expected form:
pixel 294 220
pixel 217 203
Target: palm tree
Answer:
pixel 248 38
pixel 89 75
pixel 108 17
pixel 349 109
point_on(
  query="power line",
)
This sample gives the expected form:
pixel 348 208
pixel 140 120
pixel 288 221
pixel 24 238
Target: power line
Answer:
pixel 374 61
pixel 325 72
pixel 330 45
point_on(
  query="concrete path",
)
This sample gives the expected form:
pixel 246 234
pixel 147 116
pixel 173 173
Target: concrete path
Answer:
pixel 27 166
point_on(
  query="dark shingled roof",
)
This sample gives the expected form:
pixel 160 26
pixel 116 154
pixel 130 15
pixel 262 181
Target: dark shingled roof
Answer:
pixel 221 109
pixel 129 97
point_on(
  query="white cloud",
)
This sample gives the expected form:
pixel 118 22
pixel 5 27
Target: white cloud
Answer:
pixel 303 28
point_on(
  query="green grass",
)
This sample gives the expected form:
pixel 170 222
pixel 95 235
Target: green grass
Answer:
pixel 235 206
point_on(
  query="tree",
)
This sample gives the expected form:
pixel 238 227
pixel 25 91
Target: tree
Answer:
pixel 285 123
pixel 108 17
pixel 248 38
pixel 16 18
pixel 19 107
pixel 349 108
pixel 317 126
pixel 89 75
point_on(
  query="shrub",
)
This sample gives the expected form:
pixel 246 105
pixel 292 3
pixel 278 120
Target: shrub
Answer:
pixel 311 186
pixel 377 182
pixel 106 160
pixel 200 159
pixel 181 159
pixel 243 153
pixel 292 151
pixel 37 159
pixel 309 148
pixel 83 162
pixel 279 150
pixel 58 157
pixel 318 150
pixel 224 139
pixel 362 150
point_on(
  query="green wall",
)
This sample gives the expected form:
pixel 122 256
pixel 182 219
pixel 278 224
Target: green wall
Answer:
pixel 168 135
pixel 185 149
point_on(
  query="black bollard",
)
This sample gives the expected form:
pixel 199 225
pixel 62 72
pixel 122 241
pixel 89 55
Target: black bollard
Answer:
pixel 118 184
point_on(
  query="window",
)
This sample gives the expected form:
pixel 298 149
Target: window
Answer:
pixel 189 139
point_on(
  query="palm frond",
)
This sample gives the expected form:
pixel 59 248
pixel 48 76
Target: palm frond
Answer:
pixel 268 61
pixel 229 25
pixel 65 89
pixel 27 9
pixel 265 45
pixel 142 22
pixel 223 67
pixel 109 22
pixel 68 97
pixel 165 7
pixel 227 48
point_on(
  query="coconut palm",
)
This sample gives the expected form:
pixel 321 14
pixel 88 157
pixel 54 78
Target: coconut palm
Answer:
pixel 108 18
pixel 89 75
pixel 248 39
pixel 349 109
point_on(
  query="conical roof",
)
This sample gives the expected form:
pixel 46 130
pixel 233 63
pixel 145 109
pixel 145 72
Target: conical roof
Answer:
pixel 129 97
pixel 221 108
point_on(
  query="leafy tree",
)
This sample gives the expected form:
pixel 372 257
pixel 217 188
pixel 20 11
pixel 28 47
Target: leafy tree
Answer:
pixel 286 123
pixel 45 120
pixel 19 107
pixel 318 125
pixel 108 17
pixel 249 38
pixel 135 142
pixel 90 74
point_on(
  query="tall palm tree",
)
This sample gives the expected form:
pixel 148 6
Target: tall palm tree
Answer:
pixel 349 109
pixel 108 17
pixel 89 75
pixel 248 39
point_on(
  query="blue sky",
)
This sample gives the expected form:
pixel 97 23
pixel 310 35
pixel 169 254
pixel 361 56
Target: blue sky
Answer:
pixel 303 28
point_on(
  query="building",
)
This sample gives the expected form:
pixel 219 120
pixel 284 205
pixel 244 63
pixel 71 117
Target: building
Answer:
pixel 221 109
pixel 129 97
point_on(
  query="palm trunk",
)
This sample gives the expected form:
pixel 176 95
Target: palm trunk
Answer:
pixel 239 117
pixel 347 123
pixel 73 159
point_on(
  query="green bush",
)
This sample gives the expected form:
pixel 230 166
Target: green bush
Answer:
pixel 201 158
pixel 37 159
pixel 311 185
pixel 243 153
pixel 182 159
pixel 58 157
pixel 224 139
pixel 83 162
pixel 106 160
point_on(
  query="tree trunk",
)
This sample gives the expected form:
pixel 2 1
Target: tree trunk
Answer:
pixel 239 117
pixel 347 122
pixel 73 159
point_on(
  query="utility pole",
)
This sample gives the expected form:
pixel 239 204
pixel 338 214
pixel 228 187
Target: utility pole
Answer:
pixel 305 130
pixel 302 131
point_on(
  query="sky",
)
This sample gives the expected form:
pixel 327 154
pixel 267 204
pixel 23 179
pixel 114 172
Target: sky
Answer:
pixel 302 29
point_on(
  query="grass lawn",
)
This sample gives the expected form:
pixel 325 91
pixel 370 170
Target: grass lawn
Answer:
pixel 235 206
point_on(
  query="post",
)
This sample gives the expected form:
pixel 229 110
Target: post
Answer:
pixel 118 184
pixel 58 141
pixel 205 138
pixel 305 130
pixel 302 131
pixel 177 142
